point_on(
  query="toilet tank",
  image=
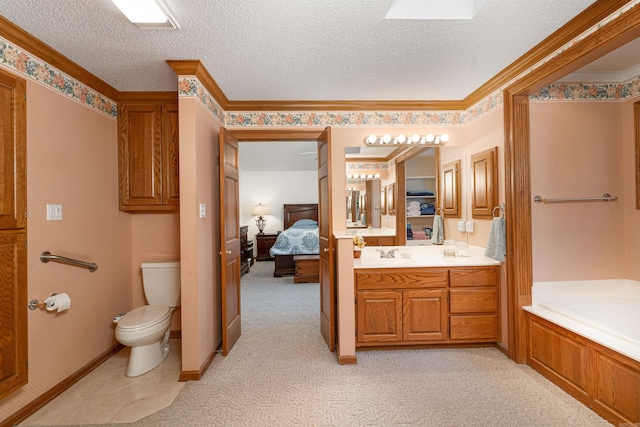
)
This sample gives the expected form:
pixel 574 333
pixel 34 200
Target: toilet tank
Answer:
pixel 161 282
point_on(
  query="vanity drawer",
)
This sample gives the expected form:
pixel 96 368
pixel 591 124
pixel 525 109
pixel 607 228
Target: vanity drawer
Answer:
pixel 473 300
pixel 476 328
pixel 397 278
pixel 474 276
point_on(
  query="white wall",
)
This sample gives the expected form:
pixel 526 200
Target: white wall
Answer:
pixel 274 189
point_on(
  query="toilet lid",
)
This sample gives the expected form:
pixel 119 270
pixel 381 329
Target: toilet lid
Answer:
pixel 146 315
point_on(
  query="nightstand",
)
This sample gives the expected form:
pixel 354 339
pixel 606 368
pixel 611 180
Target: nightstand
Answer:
pixel 264 243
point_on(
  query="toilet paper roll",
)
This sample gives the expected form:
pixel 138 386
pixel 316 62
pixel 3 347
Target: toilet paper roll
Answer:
pixel 60 302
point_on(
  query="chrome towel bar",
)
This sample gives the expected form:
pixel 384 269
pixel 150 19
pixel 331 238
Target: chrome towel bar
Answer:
pixel 606 197
pixel 47 256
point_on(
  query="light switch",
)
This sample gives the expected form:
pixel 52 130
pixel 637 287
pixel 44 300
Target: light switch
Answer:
pixel 469 226
pixel 54 212
pixel 203 210
pixel 461 226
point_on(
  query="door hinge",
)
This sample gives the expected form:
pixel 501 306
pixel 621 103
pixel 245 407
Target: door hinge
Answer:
pixel 355 301
pixel 25 214
pixel 356 332
pixel 26 245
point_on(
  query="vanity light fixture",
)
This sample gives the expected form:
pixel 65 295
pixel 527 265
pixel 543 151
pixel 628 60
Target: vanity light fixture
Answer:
pixel 259 210
pixel 428 139
pixel 147 13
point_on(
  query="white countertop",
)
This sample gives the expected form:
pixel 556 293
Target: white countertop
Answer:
pixel 366 232
pixel 421 256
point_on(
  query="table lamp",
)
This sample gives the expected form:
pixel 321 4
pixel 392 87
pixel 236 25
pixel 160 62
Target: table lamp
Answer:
pixel 259 210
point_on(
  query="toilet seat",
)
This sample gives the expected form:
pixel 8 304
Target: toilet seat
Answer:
pixel 144 317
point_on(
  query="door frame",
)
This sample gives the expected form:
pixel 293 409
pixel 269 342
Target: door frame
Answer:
pixel 611 36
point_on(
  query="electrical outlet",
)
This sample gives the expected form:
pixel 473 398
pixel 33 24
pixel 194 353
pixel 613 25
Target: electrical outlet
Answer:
pixel 203 210
pixel 461 226
pixel 469 226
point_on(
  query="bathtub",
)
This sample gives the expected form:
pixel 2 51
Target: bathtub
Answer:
pixel 584 336
pixel 604 311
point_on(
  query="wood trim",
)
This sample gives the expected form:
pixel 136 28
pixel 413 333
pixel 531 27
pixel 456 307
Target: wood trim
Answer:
pixel 176 334
pixel 56 390
pixel 578 25
pixel 275 134
pixel 517 157
pixel 195 68
pixel 636 122
pixel 351 105
pixel 347 360
pixel 35 47
pixel 197 375
pixel 148 97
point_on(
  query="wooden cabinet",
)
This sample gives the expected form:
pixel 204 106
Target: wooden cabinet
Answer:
pixel 13 241
pixel 148 155
pixel 450 194
pixel 246 250
pixel 407 306
pixel 380 240
pixel 264 243
pixel 484 183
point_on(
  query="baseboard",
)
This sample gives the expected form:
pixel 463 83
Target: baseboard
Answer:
pixel 347 360
pixel 176 334
pixel 502 349
pixel 56 390
pixel 197 375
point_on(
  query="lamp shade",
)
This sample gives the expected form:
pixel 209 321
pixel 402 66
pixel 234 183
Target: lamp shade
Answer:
pixel 260 209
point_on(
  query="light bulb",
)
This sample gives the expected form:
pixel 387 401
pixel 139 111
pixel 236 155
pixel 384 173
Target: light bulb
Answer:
pixel 386 139
pixel 444 137
pixel 415 138
pixel 371 139
pixel 401 139
pixel 430 137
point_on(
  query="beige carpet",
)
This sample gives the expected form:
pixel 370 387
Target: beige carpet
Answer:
pixel 281 374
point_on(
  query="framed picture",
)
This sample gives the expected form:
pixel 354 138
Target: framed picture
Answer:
pixel 383 200
pixel 391 200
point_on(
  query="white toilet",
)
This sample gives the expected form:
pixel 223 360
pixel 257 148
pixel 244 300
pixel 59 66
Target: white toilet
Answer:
pixel 146 329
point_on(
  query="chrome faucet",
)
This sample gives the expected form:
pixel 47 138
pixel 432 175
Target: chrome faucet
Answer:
pixel 390 254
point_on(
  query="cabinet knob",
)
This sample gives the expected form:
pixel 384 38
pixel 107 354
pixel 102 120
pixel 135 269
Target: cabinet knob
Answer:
pixel 326 250
pixel 228 252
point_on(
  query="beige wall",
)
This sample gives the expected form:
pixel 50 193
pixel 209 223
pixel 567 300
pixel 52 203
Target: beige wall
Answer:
pixel 576 151
pixel 631 214
pixel 72 161
pixel 199 237
pixel 154 237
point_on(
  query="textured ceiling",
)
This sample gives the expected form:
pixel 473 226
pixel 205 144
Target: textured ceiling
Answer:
pixel 297 49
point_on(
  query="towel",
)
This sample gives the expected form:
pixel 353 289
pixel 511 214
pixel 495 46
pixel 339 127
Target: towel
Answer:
pixel 437 235
pixel 496 246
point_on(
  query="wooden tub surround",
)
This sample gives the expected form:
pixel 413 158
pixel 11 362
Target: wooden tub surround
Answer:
pixel 602 379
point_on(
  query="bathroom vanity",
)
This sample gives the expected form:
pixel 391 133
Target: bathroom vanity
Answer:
pixel 421 297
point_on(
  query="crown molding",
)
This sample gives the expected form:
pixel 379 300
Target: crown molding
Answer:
pixel 344 105
pixel 578 25
pixel 148 97
pixel 37 48
pixel 194 67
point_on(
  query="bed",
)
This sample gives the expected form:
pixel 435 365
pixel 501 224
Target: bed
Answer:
pixel 284 263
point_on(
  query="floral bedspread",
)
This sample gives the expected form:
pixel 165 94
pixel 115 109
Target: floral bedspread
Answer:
pixel 294 241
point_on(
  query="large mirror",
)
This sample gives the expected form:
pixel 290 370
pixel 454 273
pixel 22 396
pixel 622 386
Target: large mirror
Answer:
pixel 371 175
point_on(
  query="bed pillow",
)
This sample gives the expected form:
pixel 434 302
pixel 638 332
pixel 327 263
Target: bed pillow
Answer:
pixel 305 223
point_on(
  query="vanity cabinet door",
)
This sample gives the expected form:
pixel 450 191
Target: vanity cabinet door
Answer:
pixel 379 316
pixel 425 315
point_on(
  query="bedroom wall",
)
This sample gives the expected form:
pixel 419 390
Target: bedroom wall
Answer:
pixel 274 189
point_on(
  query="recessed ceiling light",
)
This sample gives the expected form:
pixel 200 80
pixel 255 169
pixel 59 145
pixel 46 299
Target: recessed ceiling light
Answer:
pixel 434 9
pixel 147 13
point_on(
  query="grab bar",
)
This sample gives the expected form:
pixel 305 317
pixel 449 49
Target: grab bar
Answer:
pixel 46 257
pixel 606 197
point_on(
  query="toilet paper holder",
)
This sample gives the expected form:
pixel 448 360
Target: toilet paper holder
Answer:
pixel 33 304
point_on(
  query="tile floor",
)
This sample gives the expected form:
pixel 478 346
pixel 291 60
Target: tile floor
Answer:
pixel 106 395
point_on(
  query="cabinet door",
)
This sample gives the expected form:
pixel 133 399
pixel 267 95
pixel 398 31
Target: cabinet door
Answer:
pixel 12 151
pixel 379 316
pixel 140 155
pixel 451 190
pixel 425 315
pixel 170 156
pixel 484 178
pixel 13 316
